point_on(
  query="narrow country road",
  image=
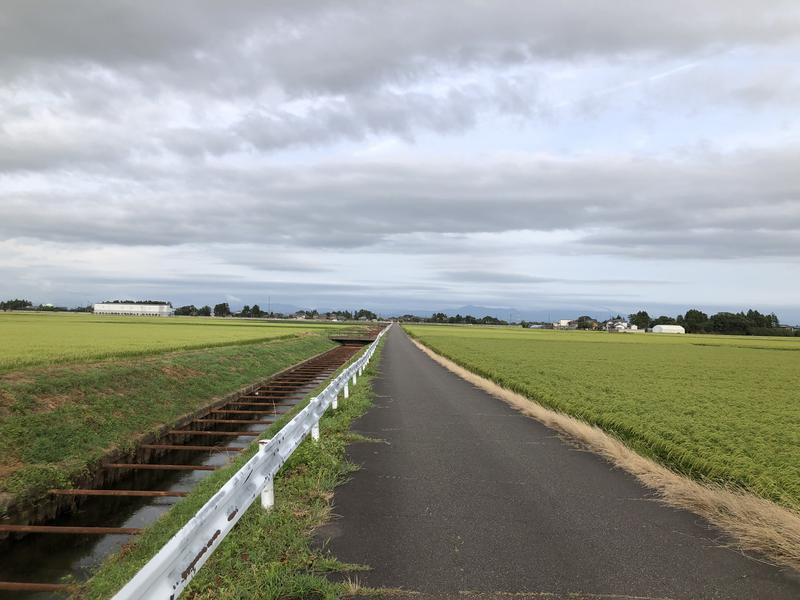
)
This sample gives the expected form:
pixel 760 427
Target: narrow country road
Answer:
pixel 466 497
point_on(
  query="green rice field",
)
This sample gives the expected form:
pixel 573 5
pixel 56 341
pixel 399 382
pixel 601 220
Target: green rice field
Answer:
pixel 721 408
pixel 62 410
pixel 51 338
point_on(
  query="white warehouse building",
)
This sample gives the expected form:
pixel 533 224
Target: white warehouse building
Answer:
pixel 136 310
pixel 668 329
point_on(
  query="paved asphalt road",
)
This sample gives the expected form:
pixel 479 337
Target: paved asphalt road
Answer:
pixel 468 495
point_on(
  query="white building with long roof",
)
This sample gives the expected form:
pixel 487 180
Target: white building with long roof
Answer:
pixel 134 309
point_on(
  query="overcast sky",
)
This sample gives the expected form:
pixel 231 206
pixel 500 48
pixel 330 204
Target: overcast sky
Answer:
pixel 587 156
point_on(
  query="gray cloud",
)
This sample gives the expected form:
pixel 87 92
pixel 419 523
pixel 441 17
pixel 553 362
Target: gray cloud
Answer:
pixel 708 244
pixel 743 204
pixel 362 115
pixel 494 277
pixel 327 45
pixel 265 257
pixel 499 277
pixel 121 74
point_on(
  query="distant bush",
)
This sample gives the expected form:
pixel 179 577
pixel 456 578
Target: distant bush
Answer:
pixel 15 304
pixel 775 331
pixel 222 310
pixel 751 322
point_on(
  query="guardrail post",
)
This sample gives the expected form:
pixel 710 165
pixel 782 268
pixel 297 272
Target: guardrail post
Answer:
pixel 355 377
pixel 335 403
pixel 268 495
pixel 315 432
pixel 346 390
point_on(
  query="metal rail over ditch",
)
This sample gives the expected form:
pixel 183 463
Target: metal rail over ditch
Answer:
pixel 168 573
pixel 129 491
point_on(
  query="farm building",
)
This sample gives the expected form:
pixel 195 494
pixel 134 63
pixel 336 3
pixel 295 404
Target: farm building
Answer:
pixel 136 310
pixel 615 325
pixel 668 329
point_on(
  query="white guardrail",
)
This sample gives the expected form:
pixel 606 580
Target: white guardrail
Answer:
pixel 167 574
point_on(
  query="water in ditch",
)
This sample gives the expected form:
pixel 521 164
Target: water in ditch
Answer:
pixel 54 557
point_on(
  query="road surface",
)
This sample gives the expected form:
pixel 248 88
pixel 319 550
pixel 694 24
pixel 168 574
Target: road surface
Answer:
pixel 466 497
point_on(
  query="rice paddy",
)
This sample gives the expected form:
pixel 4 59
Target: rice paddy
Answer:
pixel 57 421
pixel 53 338
pixel 74 386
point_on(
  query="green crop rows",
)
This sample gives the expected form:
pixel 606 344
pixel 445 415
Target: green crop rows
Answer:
pixel 722 408
pixel 35 339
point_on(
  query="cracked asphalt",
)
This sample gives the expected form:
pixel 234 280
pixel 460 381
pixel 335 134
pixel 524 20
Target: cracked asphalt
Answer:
pixel 466 498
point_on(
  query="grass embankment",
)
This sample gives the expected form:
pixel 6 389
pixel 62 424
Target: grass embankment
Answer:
pixel 55 422
pixel 28 339
pixel 719 408
pixel 268 554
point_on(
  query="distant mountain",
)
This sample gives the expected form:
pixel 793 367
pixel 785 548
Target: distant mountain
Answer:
pixel 498 312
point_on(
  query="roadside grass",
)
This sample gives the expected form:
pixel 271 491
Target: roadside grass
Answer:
pixel 28 339
pixel 56 422
pixel 268 554
pixel 721 409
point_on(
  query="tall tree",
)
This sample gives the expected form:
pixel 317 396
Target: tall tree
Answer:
pixel 222 309
pixel 186 311
pixel 663 320
pixel 725 322
pixel 695 321
pixel 641 319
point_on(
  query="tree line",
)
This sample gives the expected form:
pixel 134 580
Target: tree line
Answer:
pixel 441 317
pixel 16 304
pixel 190 310
pixel 694 320
pixel 20 304
pixel 751 322
pixel 223 309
